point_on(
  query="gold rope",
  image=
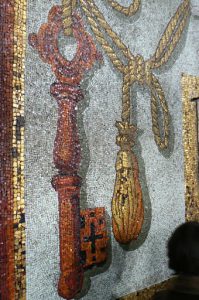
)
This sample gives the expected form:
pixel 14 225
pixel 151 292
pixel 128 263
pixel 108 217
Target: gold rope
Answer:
pixel 68 7
pixel 171 35
pixel 127 203
pixel 128 11
pixel 116 61
pixel 166 46
pixel 93 12
pixel 158 94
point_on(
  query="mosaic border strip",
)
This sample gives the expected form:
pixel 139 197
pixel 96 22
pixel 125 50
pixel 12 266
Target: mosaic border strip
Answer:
pixel 12 217
pixel 190 90
pixel 12 172
pixel 18 147
pixel 7 288
pixel 149 292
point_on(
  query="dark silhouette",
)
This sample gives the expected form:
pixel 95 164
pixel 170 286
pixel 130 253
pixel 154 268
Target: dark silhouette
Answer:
pixel 183 254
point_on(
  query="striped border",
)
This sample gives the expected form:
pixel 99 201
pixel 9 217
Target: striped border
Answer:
pixel 18 148
pixel 149 292
pixel 190 90
pixel 7 288
pixel 12 242
pixel 12 215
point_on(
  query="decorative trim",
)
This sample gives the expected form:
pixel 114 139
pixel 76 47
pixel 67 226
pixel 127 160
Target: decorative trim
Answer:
pixel 12 229
pixel 149 292
pixel 190 91
pixel 18 148
pixel 7 288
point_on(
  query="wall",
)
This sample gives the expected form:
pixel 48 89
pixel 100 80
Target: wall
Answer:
pixel 143 262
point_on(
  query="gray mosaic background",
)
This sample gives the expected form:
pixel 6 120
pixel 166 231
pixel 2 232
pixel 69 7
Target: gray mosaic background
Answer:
pixel 144 262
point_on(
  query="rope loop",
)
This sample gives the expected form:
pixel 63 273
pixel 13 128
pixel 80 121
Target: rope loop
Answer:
pixel 138 70
pixel 128 11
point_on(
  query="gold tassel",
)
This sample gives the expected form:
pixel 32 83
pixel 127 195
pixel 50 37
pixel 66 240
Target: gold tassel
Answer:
pixel 127 204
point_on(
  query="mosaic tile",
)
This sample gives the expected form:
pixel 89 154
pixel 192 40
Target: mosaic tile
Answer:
pixel 67 152
pixel 7 286
pixel 12 217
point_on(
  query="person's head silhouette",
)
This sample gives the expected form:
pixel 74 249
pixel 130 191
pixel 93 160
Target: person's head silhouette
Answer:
pixel 183 249
pixel 183 254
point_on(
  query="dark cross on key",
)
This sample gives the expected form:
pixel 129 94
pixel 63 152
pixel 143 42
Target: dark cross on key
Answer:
pixel 92 238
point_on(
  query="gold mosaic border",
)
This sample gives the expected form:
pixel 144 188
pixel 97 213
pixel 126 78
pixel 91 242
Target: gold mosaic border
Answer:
pixel 149 292
pixel 18 148
pixel 190 90
pixel 190 87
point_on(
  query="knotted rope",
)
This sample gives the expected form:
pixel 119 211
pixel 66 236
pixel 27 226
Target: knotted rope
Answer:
pixel 127 203
pixel 140 71
pixel 166 46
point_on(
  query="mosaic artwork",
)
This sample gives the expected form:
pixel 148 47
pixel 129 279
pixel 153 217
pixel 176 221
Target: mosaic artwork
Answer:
pixel 7 288
pixel 83 233
pixel 190 94
pixel 126 10
pixel 67 153
pixel 12 209
pixel 190 88
pixel 93 236
pixel 127 202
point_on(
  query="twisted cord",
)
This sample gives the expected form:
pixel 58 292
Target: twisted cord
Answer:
pixel 158 94
pixel 126 98
pixel 107 28
pixel 118 64
pixel 137 69
pixel 128 11
pixel 134 71
pixel 68 7
pixel 171 35
pixel 92 11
